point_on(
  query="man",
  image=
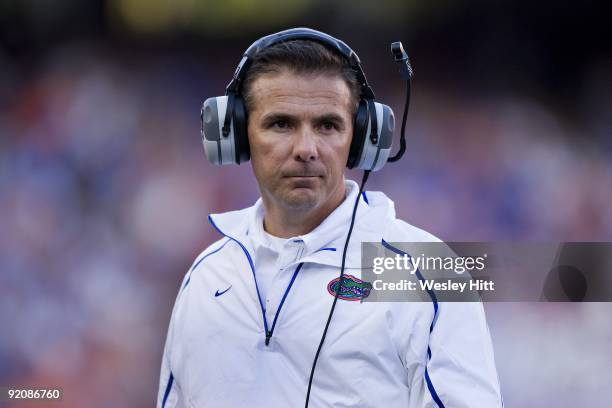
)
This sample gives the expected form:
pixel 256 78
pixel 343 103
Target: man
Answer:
pixel 251 311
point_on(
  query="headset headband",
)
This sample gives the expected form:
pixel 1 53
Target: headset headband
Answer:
pixel 299 34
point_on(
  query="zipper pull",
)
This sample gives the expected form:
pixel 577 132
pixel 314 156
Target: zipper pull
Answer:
pixel 268 336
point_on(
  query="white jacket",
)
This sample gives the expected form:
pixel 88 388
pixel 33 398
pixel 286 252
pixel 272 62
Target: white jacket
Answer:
pixel 402 354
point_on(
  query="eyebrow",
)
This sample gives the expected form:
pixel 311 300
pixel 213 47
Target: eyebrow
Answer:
pixel 276 116
pixel 330 117
pixel 327 117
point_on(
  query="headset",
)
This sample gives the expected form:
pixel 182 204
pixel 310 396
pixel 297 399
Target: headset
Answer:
pixel 224 118
pixel 225 139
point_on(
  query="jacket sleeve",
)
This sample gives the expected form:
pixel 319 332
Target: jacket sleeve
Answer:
pixel 459 369
pixel 169 394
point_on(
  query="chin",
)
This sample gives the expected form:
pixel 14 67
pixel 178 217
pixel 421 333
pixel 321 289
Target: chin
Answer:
pixel 301 199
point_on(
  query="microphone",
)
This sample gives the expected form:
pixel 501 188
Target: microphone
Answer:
pixel 401 57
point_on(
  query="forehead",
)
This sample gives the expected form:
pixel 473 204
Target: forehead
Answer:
pixel 293 93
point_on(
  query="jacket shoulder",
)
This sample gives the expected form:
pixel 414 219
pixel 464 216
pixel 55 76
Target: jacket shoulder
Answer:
pixel 382 212
pixel 207 256
pixel 400 231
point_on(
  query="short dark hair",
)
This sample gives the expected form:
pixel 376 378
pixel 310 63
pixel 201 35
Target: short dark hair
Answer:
pixel 301 57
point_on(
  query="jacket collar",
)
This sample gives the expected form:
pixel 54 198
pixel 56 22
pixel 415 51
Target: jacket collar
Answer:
pixel 323 245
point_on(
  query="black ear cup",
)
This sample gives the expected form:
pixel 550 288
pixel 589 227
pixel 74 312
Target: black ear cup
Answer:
pixel 241 139
pixel 373 136
pixel 360 127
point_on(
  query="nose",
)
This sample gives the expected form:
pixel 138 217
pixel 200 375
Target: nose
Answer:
pixel 305 146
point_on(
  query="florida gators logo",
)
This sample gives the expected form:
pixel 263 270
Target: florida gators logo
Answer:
pixel 352 288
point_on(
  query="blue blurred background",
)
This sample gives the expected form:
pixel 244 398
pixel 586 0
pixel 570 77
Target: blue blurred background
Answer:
pixel 104 189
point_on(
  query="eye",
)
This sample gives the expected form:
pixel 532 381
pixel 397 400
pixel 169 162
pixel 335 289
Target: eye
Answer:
pixel 280 124
pixel 328 125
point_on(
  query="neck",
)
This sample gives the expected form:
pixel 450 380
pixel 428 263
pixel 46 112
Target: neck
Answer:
pixel 286 222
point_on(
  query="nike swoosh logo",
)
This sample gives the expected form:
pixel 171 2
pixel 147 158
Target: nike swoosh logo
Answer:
pixel 217 293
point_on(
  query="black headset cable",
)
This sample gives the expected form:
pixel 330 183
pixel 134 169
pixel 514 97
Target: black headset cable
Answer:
pixel 402 147
pixel 366 174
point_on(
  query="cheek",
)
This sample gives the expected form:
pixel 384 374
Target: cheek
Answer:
pixel 336 153
pixel 266 155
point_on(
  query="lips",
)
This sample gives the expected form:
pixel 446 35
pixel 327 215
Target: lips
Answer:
pixel 303 182
pixel 303 175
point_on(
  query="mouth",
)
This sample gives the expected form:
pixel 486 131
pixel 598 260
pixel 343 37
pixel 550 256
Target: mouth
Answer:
pixel 302 175
pixel 302 181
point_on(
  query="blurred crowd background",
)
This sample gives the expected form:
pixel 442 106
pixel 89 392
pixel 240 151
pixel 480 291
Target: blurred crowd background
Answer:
pixel 104 188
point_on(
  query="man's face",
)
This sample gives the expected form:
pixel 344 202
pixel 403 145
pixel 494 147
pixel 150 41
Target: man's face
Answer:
pixel 300 129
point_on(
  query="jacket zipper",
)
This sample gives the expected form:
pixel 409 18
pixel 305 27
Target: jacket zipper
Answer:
pixel 271 331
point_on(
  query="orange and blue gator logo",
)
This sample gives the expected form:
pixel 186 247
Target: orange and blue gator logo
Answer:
pixel 352 288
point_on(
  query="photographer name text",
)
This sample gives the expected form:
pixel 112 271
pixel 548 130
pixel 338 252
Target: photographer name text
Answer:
pixel 433 285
